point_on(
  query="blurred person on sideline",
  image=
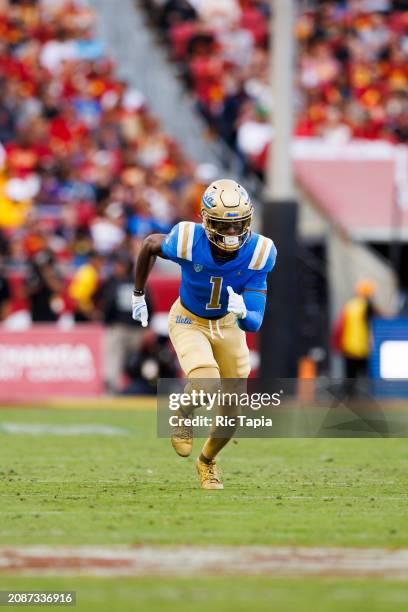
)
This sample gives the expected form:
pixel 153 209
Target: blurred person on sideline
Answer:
pixel 352 331
pixel 122 334
pixel 5 294
pixel 43 289
pixel 154 360
pixel 83 289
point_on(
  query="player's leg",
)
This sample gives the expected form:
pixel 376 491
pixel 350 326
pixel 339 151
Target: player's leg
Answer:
pixel 231 352
pixel 232 355
pixel 206 468
pixel 197 361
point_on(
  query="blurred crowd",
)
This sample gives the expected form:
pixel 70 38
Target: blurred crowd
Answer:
pixel 84 166
pixel 351 77
pixel 86 172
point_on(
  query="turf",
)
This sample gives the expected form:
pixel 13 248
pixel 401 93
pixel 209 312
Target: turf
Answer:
pixel 132 488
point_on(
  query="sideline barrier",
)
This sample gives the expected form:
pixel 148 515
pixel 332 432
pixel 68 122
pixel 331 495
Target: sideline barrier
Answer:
pixel 45 361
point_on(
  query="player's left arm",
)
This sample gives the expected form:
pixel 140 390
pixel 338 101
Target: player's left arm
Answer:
pixel 249 307
pixel 255 302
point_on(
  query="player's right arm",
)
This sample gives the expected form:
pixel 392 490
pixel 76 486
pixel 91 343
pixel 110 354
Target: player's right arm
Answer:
pixel 176 246
pixel 150 250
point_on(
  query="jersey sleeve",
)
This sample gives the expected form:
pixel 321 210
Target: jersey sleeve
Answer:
pixel 255 305
pixel 263 261
pixel 178 244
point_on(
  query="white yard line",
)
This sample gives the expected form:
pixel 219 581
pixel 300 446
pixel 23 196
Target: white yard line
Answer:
pixel 33 429
pixel 199 561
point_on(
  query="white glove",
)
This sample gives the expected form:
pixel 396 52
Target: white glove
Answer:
pixel 139 309
pixel 236 304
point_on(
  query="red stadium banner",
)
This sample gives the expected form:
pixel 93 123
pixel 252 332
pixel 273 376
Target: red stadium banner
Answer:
pixel 45 362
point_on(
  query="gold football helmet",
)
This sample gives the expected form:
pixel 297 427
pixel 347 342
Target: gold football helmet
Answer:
pixel 227 214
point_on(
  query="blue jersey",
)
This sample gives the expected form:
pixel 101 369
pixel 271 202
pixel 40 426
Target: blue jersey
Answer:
pixel 204 281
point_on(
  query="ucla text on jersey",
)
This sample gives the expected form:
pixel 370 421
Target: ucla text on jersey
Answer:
pixel 204 281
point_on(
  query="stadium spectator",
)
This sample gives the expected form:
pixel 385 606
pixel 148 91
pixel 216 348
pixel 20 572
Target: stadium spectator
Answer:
pixel 43 289
pixel 154 360
pixel 352 331
pixel 352 76
pixel 107 231
pixel 83 289
pixel 5 293
pixel 123 335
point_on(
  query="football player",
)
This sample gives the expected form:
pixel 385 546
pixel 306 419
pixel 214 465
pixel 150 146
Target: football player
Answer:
pixel 224 268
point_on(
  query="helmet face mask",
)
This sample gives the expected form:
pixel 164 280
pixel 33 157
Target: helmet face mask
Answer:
pixel 227 234
pixel 227 215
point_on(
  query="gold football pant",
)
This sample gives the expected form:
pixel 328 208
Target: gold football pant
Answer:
pixel 206 343
pixel 209 349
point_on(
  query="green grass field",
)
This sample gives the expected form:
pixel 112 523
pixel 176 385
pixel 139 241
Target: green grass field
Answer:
pixel 132 488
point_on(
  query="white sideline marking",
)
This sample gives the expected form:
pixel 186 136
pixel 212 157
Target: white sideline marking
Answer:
pixel 198 560
pixel 61 430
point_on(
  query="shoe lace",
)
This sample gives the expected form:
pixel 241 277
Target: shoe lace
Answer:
pixel 213 473
pixel 184 432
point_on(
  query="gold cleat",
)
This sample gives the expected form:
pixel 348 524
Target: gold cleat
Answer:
pixel 208 475
pixel 182 438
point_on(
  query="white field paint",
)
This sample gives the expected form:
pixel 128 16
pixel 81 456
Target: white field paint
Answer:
pixel 33 429
pixel 199 561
